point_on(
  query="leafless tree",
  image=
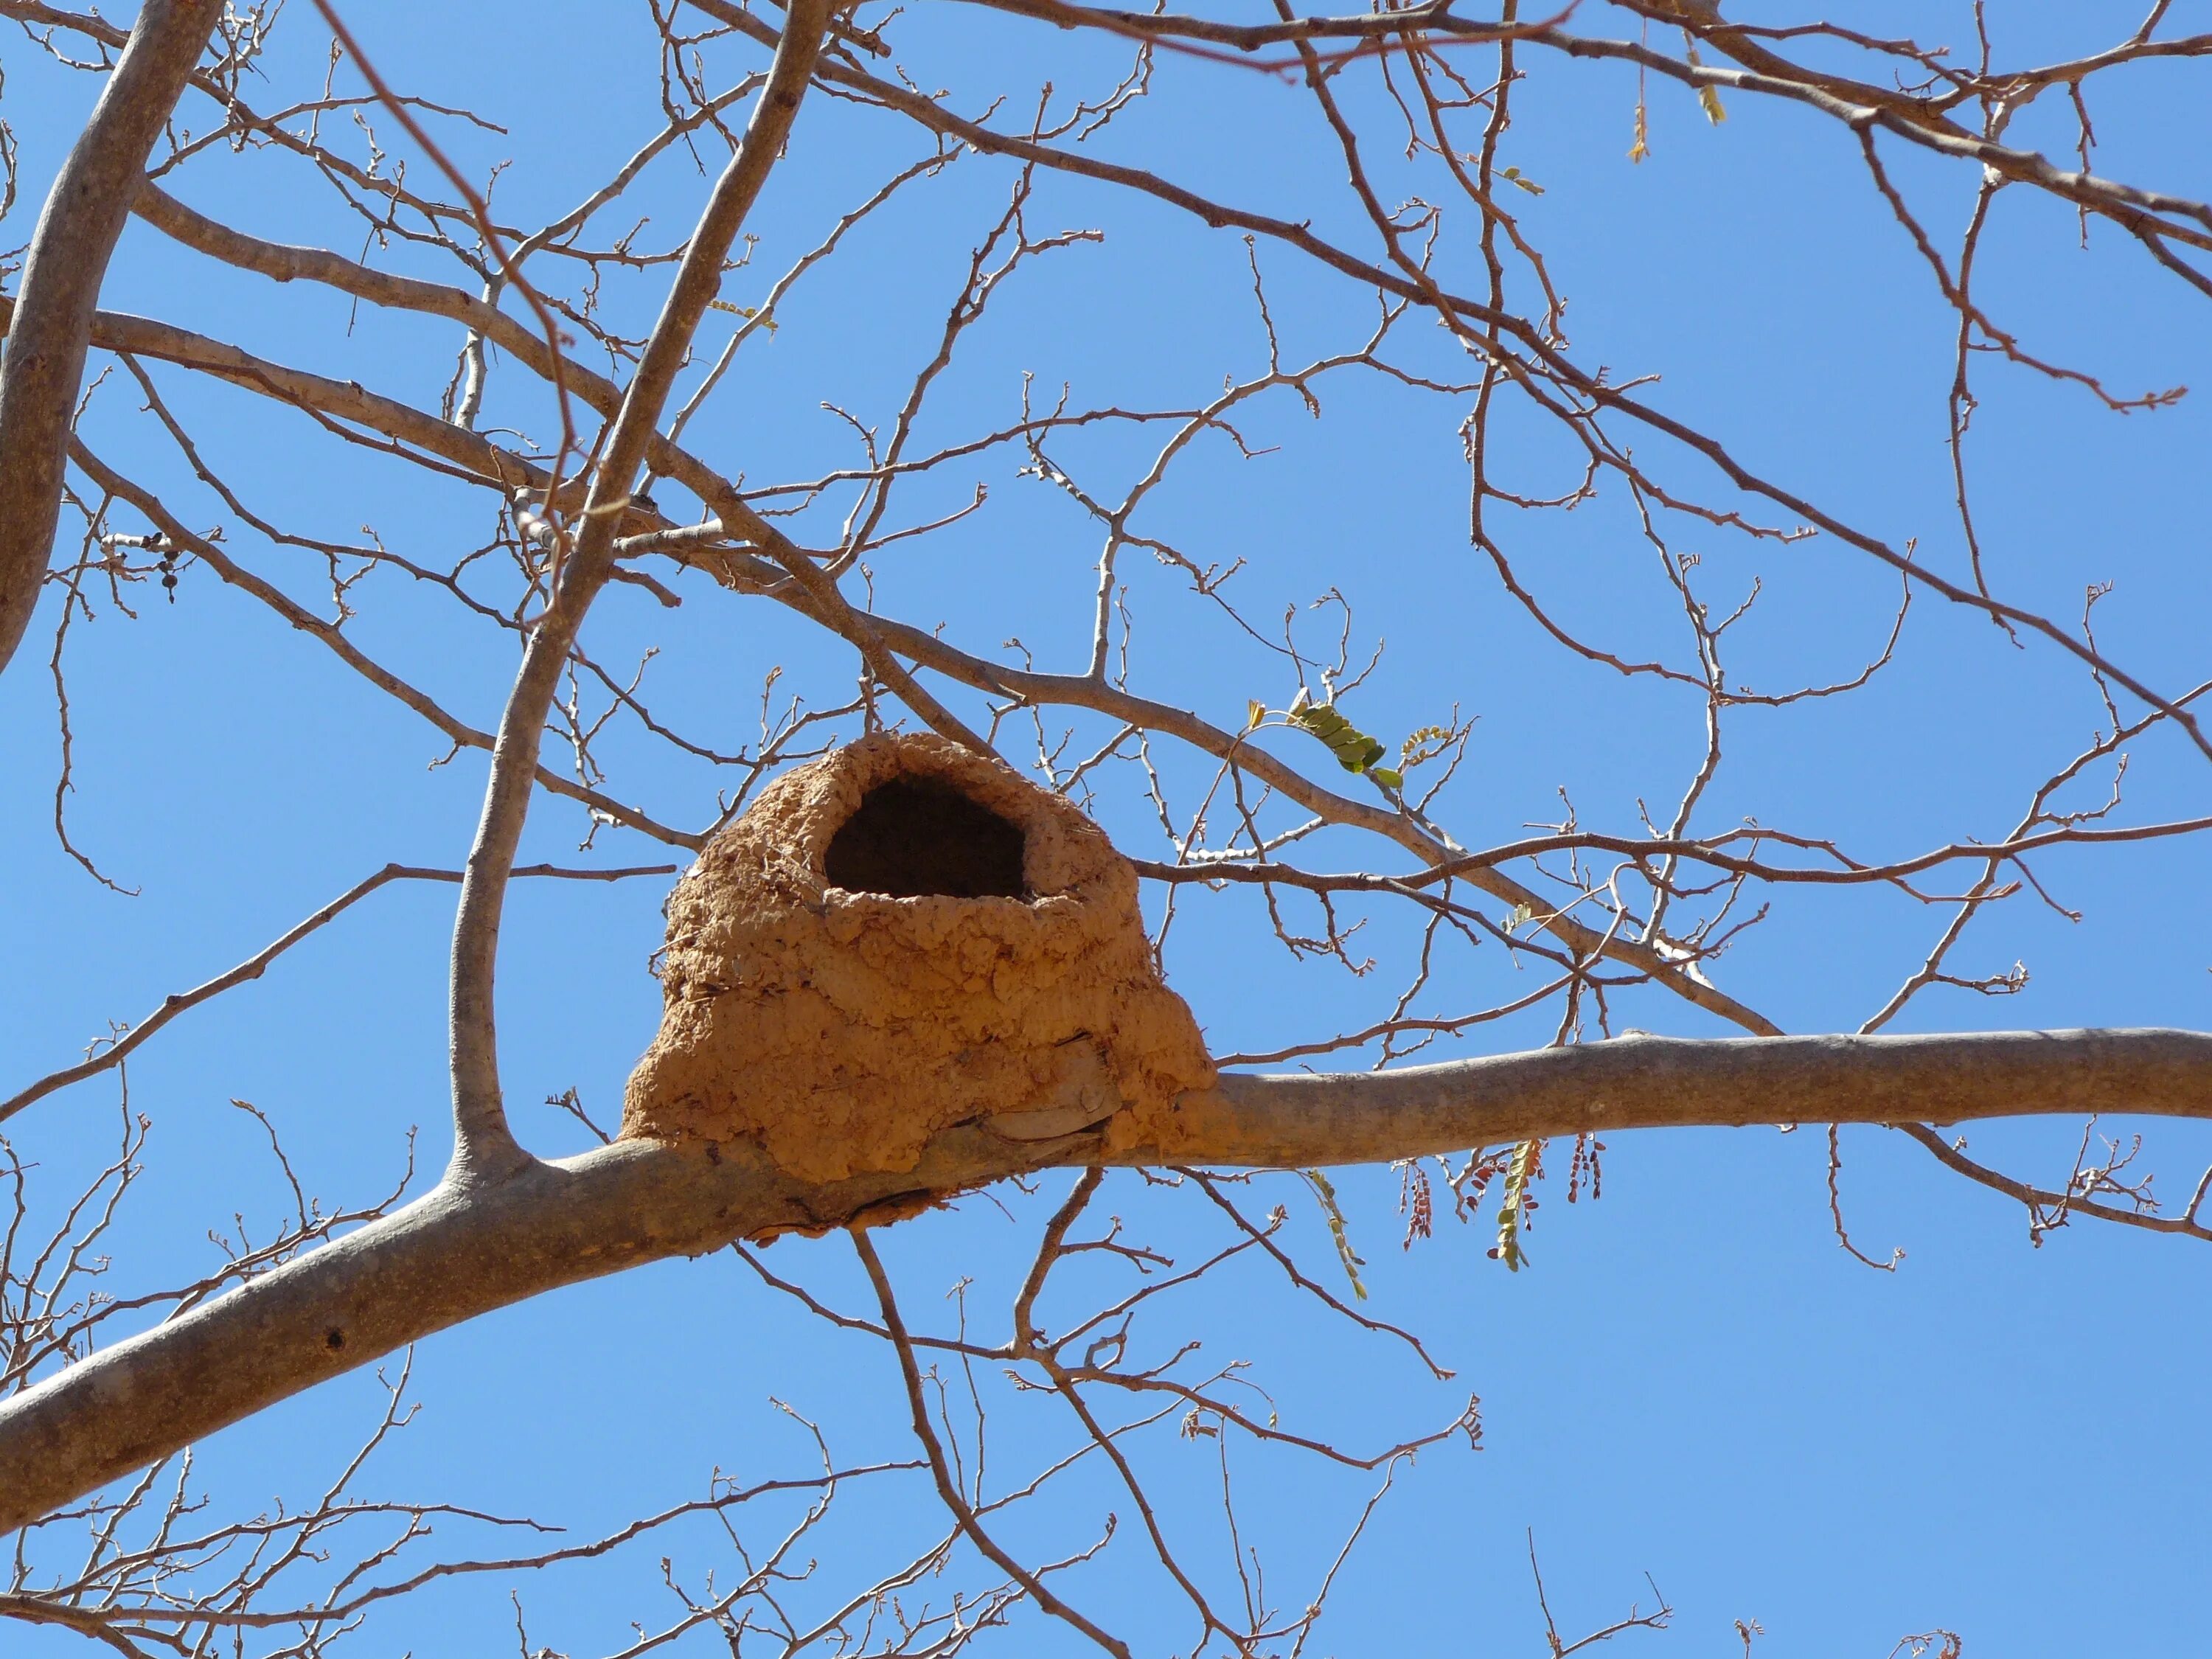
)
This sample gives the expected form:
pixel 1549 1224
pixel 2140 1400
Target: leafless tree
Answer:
pixel 611 342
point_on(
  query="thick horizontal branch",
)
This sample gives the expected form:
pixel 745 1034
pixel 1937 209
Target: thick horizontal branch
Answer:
pixel 462 1252
pixel 454 1254
pixel 1666 1083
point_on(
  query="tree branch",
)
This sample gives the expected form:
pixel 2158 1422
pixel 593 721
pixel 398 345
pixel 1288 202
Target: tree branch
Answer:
pixel 1298 1120
pixel 83 216
pixel 483 1144
pixel 947 1488
pixel 469 1247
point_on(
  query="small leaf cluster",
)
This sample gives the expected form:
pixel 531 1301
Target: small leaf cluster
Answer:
pixel 1355 751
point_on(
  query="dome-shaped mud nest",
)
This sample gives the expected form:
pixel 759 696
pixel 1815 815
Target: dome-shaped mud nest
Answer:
pixel 898 938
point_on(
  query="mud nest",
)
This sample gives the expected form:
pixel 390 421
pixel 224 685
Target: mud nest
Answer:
pixel 898 938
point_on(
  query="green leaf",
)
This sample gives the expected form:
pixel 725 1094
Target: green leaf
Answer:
pixel 1354 749
pixel 746 312
pixel 1345 1253
pixel 1512 1204
pixel 1709 98
pixel 1417 747
pixel 1518 178
pixel 1388 776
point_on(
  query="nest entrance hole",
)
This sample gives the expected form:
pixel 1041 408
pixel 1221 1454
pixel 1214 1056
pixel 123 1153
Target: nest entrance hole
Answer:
pixel 915 837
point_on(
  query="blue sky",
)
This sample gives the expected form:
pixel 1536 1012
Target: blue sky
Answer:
pixel 1691 1380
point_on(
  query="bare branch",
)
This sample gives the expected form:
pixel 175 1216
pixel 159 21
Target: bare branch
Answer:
pixel 47 338
pixel 469 1247
pixel 483 1143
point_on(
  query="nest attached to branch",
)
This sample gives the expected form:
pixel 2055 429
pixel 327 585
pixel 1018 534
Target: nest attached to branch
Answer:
pixel 898 938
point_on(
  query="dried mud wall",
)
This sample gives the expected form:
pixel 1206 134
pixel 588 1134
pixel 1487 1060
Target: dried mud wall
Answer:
pixel 843 1027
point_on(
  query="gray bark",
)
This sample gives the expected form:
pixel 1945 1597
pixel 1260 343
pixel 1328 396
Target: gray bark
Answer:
pixel 484 1144
pixel 83 216
pixel 467 1249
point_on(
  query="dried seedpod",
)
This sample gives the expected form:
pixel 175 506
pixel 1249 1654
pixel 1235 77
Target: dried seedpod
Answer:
pixel 898 938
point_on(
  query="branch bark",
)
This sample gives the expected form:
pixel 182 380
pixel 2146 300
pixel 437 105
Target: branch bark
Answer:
pixel 484 1145
pixel 468 1248
pixel 84 215
pixel 1300 1119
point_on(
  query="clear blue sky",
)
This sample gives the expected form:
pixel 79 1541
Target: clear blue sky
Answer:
pixel 1691 1380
